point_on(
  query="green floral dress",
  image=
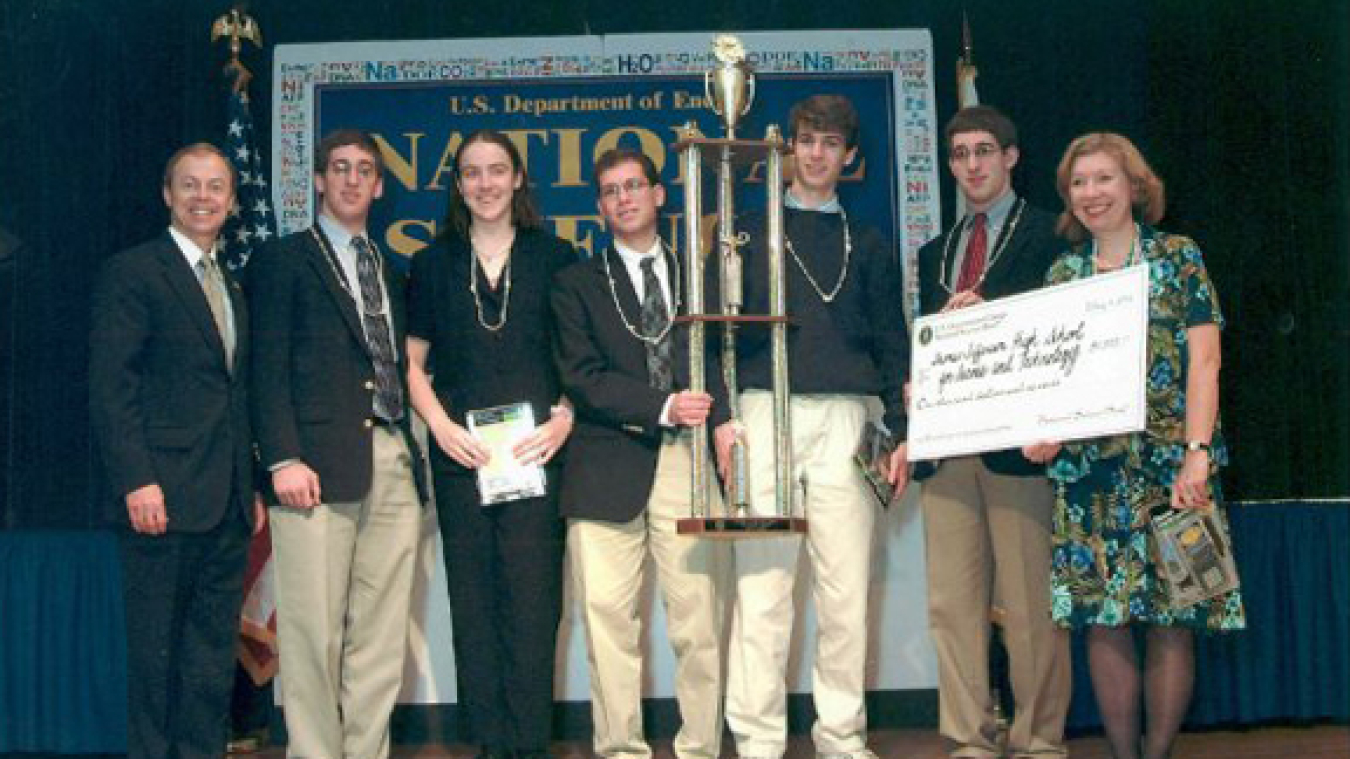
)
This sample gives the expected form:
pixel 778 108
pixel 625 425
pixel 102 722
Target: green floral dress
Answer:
pixel 1104 561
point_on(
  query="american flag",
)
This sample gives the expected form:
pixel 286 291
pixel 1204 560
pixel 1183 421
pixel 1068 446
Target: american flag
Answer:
pixel 252 222
pixel 251 225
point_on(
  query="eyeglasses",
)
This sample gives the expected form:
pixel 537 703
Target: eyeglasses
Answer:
pixel 365 169
pixel 629 187
pixel 981 152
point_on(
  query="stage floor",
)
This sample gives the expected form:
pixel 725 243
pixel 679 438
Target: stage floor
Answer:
pixel 1321 742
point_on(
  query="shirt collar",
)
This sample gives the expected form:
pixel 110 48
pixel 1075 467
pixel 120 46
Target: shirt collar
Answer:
pixel 830 206
pixel 336 233
pixel 189 249
pixel 633 258
pixel 998 212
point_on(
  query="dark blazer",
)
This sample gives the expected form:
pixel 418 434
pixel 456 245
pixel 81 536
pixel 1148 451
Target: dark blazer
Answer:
pixel 164 406
pixel 313 377
pixel 1021 266
pixel 613 450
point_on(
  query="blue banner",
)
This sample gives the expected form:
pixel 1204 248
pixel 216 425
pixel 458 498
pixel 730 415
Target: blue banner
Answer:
pixel 562 126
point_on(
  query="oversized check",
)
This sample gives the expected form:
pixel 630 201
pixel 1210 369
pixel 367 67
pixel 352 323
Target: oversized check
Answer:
pixel 1059 363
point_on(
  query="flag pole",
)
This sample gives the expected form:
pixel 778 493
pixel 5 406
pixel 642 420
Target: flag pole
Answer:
pixel 250 225
pixel 238 27
pixel 966 71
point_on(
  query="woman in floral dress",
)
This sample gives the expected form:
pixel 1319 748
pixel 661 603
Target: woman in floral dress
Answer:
pixel 1105 572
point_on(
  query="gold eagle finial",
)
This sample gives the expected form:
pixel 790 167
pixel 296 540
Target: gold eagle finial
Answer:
pixel 237 26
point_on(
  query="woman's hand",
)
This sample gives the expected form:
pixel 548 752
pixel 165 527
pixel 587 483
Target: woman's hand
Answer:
pixel 1190 489
pixel 461 446
pixel 1041 453
pixel 540 446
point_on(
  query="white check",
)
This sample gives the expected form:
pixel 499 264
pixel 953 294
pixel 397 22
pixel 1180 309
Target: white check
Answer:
pixel 1059 363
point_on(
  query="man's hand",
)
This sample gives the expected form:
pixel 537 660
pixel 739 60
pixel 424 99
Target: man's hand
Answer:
pixel 897 469
pixel 963 299
pixel 724 439
pixel 297 486
pixel 259 514
pixel 145 508
pixel 689 409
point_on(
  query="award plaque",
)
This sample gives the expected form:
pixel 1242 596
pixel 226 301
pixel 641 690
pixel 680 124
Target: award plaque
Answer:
pixel 505 478
pixel 730 88
pixel 872 458
pixel 1195 555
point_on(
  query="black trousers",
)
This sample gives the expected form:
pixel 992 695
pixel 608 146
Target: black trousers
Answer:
pixel 503 567
pixel 182 593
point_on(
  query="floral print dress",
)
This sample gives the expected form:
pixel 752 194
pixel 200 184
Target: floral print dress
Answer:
pixel 1105 564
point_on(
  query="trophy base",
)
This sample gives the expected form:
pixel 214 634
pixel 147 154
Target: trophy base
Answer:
pixel 735 528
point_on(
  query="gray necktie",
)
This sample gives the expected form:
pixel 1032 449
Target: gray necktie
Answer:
pixel 217 297
pixel 388 392
pixel 655 319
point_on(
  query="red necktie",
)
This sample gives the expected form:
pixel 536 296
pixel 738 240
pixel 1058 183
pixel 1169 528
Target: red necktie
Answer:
pixel 972 268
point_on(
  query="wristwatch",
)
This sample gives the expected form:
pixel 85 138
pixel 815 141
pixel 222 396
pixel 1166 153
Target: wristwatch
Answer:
pixel 1197 445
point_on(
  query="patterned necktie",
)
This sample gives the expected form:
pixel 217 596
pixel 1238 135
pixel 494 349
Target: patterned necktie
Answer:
pixel 213 286
pixel 388 392
pixel 655 319
pixel 977 244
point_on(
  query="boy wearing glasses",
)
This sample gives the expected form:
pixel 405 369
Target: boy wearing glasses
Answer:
pixel 626 480
pixel 987 517
pixel 331 416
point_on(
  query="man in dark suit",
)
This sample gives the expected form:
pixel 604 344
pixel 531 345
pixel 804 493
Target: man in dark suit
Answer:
pixel 168 379
pixel 987 517
pixel 330 411
pixel 627 476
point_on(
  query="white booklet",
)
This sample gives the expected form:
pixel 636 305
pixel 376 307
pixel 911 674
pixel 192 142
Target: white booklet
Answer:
pixel 505 478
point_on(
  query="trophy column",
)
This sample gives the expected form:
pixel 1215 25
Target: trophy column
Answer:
pixel 730 89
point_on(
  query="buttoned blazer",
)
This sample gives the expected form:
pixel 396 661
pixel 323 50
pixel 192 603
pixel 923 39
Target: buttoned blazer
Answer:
pixel 313 375
pixel 1020 266
pixel 165 407
pixel 615 442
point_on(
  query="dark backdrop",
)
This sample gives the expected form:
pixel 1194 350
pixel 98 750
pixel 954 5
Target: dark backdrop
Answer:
pixel 1241 106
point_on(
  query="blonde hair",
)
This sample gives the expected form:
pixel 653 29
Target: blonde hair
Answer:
pixel 1148 198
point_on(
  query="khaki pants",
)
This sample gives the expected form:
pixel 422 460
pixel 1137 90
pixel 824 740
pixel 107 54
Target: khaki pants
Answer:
pixel 344 574
pixel 609 562
pixel 840 513
pixel 988 538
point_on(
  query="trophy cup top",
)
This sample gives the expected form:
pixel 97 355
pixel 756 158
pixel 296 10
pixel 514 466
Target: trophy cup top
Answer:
pixel 728 50
pixel 730 84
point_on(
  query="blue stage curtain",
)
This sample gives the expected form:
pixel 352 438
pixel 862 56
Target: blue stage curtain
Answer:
pixel 62 638
pixel 62 643
pixel 1291 663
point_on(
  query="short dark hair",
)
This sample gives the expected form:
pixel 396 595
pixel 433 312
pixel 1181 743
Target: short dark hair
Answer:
pixel 199 149
pixel 982 118
pixel 826 113
pixel 341 138
pixel 615 156
pixel 524 212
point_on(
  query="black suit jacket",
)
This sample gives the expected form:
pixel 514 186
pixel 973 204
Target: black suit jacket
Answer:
pixel 164 406
pixel 613 450
pixel 313 377
pixel 1021 266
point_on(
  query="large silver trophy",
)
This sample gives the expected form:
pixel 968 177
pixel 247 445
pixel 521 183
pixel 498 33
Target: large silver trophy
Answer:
pixel 730 89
